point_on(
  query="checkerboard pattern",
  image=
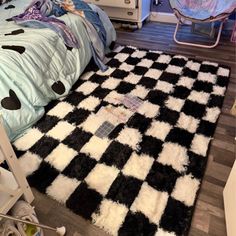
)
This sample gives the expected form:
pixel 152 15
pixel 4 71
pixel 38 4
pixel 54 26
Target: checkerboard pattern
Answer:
pixel 144 177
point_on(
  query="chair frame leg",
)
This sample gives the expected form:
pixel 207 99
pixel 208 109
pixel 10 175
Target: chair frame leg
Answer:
pixel 196 44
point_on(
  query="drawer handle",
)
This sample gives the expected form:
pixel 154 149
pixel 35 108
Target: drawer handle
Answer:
pixel 127 1
pixel 130 13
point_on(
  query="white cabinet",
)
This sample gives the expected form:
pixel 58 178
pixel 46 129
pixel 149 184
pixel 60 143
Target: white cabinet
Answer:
pixel 116 3
pixel 126 10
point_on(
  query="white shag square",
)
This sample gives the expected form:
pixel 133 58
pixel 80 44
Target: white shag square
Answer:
pixel 87 87
pixel 199 97
pixel 138 166
pixel 92 123
pixel 193 65
pixel 110 83
pixel 61 110
pixel 153 73
pixel 223 72
pixel 164 59
pixel 180 57
pixel 208 77
pixel 114 98
pixel 87 75
pixel 174 104
pixel 150 202
pixel 121 56
pixel 156 51
pixel 185 189
pixel 29 162
pixel 212 114
pixel 217 90
pixel 162 232
pixel 174 69
pixel 159 130
pixel 139 54
pixel 132 78
pixel 61 130
pixel 130 136
pixel 145 63
pixel 186 82
pixel 200 144
pixel 61 156
pixel 28 140
pixel 210 63
pixel 110 216
pixel 126 67
pixel 164 86
pixel 108 72
pixel 188 123
pixel 61 188
pixel 101 178
pixel 148 109
pixel 175 156
pixel 89 103
pixel 95 147
pixel 139 91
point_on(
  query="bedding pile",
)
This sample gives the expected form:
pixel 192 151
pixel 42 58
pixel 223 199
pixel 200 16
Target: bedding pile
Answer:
pixel 36 66
pixel 39 15
pixel 127 149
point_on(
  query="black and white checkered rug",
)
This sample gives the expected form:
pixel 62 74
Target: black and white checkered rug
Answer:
pixel 127 148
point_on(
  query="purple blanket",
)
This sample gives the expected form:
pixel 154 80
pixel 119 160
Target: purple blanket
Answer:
pixel 35 16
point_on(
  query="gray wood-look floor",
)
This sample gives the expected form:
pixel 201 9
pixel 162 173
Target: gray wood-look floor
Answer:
pixel 209 216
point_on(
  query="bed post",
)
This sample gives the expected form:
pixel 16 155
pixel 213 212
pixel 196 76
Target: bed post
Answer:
pixel 15 176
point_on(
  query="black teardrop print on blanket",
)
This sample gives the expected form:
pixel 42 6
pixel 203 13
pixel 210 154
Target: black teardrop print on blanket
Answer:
pixel 9 7
pixel 58 87
pixel 68 48
pixel 9 19
pixel 18 49
pixel 12 102
pixel 16 32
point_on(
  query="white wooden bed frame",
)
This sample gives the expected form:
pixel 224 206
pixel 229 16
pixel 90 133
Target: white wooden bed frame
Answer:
pixel 13 184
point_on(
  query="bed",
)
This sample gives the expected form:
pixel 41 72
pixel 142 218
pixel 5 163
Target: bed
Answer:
pixel 36 66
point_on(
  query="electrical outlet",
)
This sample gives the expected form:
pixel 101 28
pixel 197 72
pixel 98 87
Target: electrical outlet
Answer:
pixel 156 2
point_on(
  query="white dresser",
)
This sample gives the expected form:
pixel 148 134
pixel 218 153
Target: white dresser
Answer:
pixel 126 10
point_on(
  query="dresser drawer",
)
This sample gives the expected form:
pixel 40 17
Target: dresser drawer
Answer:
pixel 131 4
pixel 121 13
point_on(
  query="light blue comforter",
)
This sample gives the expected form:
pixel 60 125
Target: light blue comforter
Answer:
pixel 36 66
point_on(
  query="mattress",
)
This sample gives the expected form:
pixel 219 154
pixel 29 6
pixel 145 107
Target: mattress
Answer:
pixel 36 66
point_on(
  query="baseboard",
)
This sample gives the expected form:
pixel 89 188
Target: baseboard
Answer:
pixel 163 17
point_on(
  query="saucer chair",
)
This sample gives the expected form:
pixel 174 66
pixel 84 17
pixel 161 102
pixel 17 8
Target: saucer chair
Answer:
pixel 200 11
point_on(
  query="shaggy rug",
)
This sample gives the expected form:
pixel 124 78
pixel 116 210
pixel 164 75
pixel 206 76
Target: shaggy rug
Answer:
pixel 128 147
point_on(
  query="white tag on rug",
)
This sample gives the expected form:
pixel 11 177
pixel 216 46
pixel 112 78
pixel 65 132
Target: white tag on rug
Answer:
pixel 104 130
pixel 115 115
